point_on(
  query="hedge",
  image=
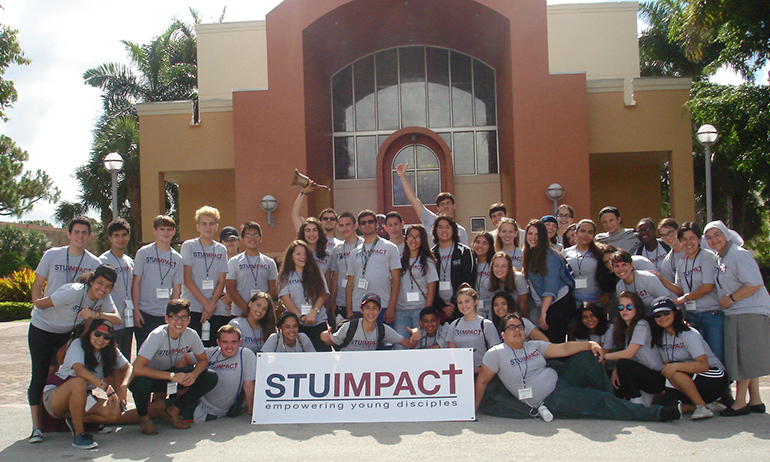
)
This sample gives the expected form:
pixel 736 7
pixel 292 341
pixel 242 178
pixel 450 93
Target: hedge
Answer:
pixel 13 311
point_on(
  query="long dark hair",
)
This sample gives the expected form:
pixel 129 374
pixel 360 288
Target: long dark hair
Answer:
pixel 594 249
pixel 490 240
pixel 581 331
pixel 267 323
pixel 452 222
pixel 657 332
pixel 109 354
pixel 320 247
pixel 424 255
pixel 312 279
pixel 623 332
pixel 605 277
pixel 511 306
pixel 534 258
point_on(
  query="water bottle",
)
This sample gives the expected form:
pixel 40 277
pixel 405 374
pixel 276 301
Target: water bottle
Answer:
pixel 205 331
pixel 545 414
pixel 128 317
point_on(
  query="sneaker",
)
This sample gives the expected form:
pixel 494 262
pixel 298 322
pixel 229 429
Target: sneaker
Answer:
pixel 36 436
pixel 70 425
pixel 670 413
pixel 637 400
pixel 104 429
pixel 647 398
pixel 701 412
pixel 716 406
pixel 84 441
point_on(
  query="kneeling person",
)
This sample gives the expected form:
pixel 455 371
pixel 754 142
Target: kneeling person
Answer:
pixel 155 371
pixel 235 367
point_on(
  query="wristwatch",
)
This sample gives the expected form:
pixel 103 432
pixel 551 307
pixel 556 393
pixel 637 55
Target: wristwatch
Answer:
pixel 173 374
pixel 317 310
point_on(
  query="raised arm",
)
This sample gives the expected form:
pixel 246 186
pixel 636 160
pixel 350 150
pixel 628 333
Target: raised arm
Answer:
pixel 296 209
pixel 408 190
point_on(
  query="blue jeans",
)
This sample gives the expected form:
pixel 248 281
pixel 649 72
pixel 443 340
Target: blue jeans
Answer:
pixel 406 319
pixel 711 325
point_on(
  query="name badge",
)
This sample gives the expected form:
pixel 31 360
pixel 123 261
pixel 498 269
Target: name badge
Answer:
pixel 207 284
pixel 171 388
pixel 525 393
pixel 254 292
pixel 344 282
pixel 445 285
pixel 581 283
pixel 690 305
pixel 363 284
pixel 162 294
pixel 130 305
pixel 305 309
pixel 412 297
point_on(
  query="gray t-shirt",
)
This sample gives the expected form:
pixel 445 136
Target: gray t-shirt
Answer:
pixel 444 269
pixel 296 291
pixel 668 268
pixel 68 301
pixel 232 373
pixel 523 368
pixel 484 304
pixel 207 262
pixel 479 334
pixel 735 270
pixel 646 355
pixel 275 344
pixel 656 257
pixel 517 258
pixel 428 218
pixel 251 275
pixel 163 351
pixel 323 263
pixel 62 268
pixel 76 355
pixel 583 264
pixel 439 338
pixel 362 340
pixel 416 284
pixel 642 263
pixel 340 259
pixel 605 340
pixel 647 286
pixel 373 262
pixel 158 270
pixel 251 338
pixel 686 346
pixel 691 274
pixel 121 290
pixel 624 239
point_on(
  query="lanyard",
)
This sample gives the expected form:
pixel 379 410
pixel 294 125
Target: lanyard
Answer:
pixel 205 260
pixel 160 270
pixel 178 346
pixel 626 285
pixel 77 270
pixel 251 269
pixel 368 254
pixel 647 254
pixel 526 365
pixel 669 351
pixel 580 258
pixel 445 267
pixel 412 261
pixel 122 273
pixel 346 253
pixel 692 271
pixel 81 307
pixel 480 275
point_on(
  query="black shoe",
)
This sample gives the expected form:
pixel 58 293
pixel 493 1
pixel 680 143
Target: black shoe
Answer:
pixel 730 412
pixel 670 413
pixel 758 408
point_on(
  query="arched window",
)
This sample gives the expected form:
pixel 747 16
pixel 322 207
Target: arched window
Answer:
pixel 449 92
pixel 422 171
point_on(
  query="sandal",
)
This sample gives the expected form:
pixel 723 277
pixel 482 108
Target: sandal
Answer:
pixel 175 422
pixel 148 427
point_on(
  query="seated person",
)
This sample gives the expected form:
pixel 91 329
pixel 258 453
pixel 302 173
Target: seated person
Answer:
pixel 235 367
pixel 288 339
pixel 90 359
pixel 432 333
pixel 367 331
pixel 155 371
pixel 580 389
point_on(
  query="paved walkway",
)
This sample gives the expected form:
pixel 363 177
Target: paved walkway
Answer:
pixel 718 439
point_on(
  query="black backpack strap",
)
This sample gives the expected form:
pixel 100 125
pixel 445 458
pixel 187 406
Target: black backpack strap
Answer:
pixel 486 343
pixel 352 328
pixel 380 332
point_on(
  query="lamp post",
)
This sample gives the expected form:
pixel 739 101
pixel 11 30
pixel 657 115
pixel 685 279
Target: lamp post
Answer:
pixel 555 192
pixel 269 204
pixel 706 136
pixel 113 163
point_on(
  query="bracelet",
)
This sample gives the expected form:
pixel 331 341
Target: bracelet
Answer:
pixel 731 297
pixel 685 297
pixel 103 386
pixel 110 394
pixel 303 193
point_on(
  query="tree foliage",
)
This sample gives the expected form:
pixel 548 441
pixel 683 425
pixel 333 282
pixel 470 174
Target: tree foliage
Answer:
pixel 20 190
pixel 10 53
pixel 22 242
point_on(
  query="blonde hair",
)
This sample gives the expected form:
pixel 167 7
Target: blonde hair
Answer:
pixel 207 211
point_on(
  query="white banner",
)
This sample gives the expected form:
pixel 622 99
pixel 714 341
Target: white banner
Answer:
pixel 364 386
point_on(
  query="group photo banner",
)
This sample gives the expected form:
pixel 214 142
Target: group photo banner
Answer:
pixel 364 386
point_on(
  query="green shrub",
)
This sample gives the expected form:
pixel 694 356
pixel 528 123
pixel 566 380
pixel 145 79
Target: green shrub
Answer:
pixel 13 311
pixel 10 262
pixel 18 286
pixel 32 259
pixel 22 242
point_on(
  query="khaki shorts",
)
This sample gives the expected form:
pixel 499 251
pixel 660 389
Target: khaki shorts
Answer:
pixel 48 403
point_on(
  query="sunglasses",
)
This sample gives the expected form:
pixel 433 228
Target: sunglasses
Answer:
pixel 106 336
pixel 328 219
pixel 660 314
pixel 367 222
pixel 628 307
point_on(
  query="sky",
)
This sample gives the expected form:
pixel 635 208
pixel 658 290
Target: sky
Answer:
pixel 55 114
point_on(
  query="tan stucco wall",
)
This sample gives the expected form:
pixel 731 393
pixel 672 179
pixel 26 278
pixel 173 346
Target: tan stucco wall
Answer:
pixel 476 194
pixel 231 56
pixel 597 38
pixel 354 195
pixel 194 195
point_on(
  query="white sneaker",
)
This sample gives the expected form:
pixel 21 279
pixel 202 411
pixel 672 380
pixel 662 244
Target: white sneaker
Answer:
pixel 701 412
pixel 637 400
pixel 647 397
pixel 36 436
pixel 716 406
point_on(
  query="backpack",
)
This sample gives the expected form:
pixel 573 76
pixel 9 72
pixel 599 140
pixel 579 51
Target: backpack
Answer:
pixel 481 326
pixel 354 321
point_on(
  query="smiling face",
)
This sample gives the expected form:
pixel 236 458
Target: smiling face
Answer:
pixel 101 339
pixel 645 231
pixel 299 257
pixel 570 238
pixel 251 239
pixel 79 236
pixel 585 234
pixel 177 323
pixel 500 268
pixel 207 226
pixel 446 207
pixel 466 304
pixel 346 226
pixel 691 243
pixel 413 240
pixel 311 233
pixel 531 236
pixel 497 216
pixel 429 323
pixel 329 222
pixel 611 223
pixel 552 228
pixel 589 320
pixel 507 233
pixel 370 310
pixel 99 288
pixel 289 330
pixel 564 217
pixel 481 247
pixel 500 306
pixel 623 270
pixel 664 319
pixel 164 234
pixel 229 343
pixel 257 310
pixel 119 239
pixel 668 234
pixel 716 240
pixel 368 225
pixel 444 231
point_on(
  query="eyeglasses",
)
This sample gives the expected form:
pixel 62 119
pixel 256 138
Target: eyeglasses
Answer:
pixel 515 327
pixel 251 236
pixel 328 218
pixel 646 229
pixel 563 215
pixel 669 234
pixel 628 307
pixel 183 318
pixel 106 336
pixel 413 238
pixel 367 222
pixel 660 314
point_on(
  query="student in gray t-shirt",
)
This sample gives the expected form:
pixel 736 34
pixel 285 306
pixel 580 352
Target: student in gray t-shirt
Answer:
pixel 64 265
pixel 119 233
pixel 250 272
pixel 623 238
